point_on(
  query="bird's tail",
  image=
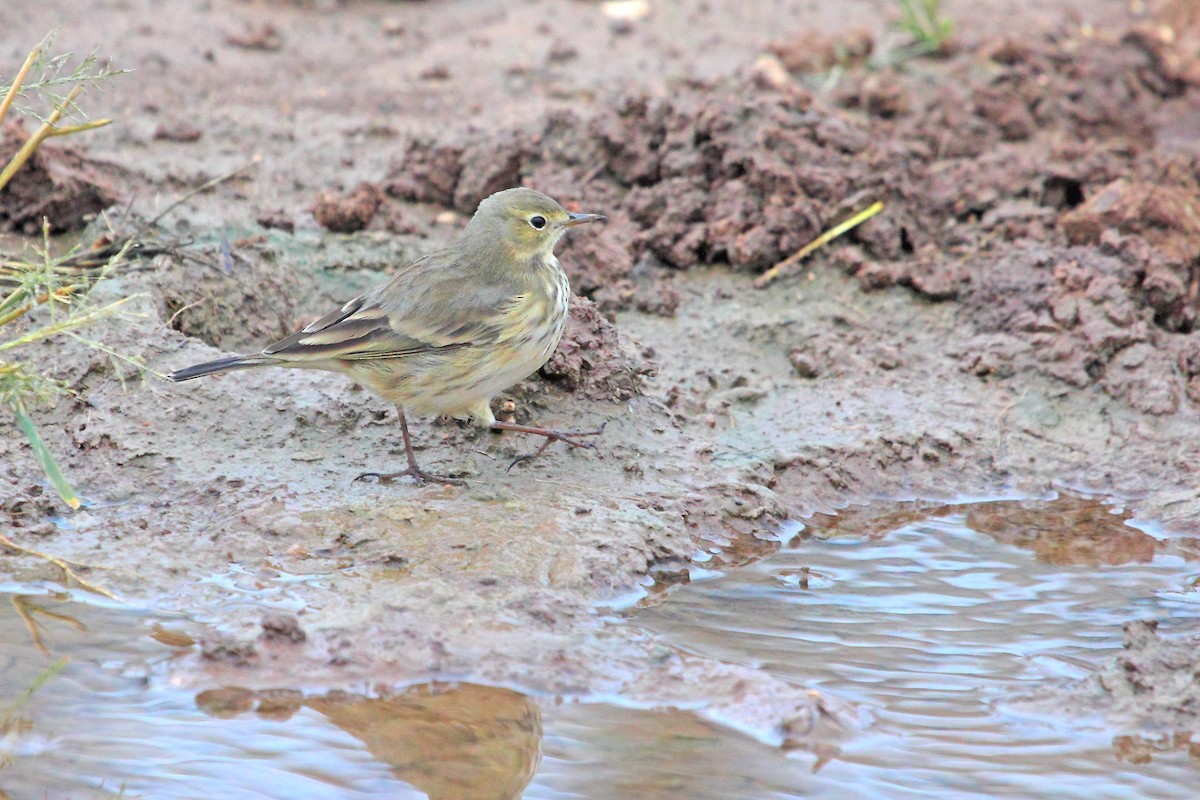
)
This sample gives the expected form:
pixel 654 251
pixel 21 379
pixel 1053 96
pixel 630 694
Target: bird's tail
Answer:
pixel 220 365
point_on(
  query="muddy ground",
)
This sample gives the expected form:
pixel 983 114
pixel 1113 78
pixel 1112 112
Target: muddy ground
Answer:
pixel 1020 319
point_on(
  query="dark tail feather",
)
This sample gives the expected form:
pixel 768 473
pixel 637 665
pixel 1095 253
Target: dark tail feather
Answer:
pixel 220 365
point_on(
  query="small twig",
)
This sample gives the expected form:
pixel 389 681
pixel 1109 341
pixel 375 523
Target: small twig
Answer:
pixel 204 187
pixel 785 267
pixel 1004 412
pixel 30 624
pixel 844 303
pixel 15 89
pixel 72 323
pixel 34 141
pixel 61 292
pixel 171 322
pixel 62 564
pixel 27 610
pixel 18 703
pixel 114 354
pixel 67 130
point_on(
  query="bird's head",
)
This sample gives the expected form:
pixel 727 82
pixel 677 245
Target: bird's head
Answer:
pixel 524 223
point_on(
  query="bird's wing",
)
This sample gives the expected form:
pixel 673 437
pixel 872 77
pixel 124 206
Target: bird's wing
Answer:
pixel 418 311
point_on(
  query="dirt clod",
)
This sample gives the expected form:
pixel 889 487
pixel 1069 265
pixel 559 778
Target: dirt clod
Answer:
pixel 179 131
pixel 590 360
pixel 348 213
pixel 280 627
pixel 229 652
pixel 58 183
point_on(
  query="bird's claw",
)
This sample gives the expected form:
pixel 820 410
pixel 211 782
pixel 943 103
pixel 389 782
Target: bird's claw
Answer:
pixel 569 437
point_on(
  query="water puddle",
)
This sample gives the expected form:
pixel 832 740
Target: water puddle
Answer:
pixel 933 618
pixel 936 618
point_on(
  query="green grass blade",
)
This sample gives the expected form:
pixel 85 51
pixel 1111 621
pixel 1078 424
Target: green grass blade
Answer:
pixel 14 709
pixel 18 296
pixel 46 459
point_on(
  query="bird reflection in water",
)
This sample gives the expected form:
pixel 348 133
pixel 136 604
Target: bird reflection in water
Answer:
pixel 451 741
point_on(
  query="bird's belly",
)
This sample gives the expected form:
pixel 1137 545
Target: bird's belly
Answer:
pixel 457 381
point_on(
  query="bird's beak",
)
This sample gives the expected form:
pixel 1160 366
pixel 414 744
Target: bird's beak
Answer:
pixel 579 219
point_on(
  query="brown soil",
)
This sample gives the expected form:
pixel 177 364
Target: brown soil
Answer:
pixel 57 184
pixel 1020 318
pixel 1151 685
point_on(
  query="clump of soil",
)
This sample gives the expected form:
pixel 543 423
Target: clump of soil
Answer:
pixel 348 213
pixel 590 359
pixel 58 183
pixel 725 173
pixel 815 51
pixel 180 131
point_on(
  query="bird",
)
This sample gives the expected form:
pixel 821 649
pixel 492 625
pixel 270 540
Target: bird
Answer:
pixel 450 330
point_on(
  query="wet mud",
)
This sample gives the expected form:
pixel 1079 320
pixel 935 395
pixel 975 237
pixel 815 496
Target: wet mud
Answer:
pixel 1020 320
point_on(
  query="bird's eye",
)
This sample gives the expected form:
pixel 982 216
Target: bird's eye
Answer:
pixel 538 221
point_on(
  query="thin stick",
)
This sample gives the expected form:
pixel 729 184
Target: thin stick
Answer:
pixel 64 291
pixel 30 625
pixel 62 564
pixel 20 79
pixel 27 609
pixel 32 143
pixel 67 130
pixel 174 316
pixel 204 187
pixel 114 354
pixel 784 267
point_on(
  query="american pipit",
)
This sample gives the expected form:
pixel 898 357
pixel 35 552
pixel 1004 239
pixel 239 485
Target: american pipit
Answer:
pixel 452 329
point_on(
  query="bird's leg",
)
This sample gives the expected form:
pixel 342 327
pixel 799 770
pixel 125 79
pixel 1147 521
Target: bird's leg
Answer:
pixel 552 436
pixel 419 476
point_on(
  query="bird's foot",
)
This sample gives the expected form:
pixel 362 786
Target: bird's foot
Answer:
pixel 570 437
pixel 420 477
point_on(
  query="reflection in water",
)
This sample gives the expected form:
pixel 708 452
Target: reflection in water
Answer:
pixel 1069 529
pixel 29 611
pixel 463 743
pixel 460 742
pixel 1138 749
pixel 872 521
pixel 932 616
pixel 233 701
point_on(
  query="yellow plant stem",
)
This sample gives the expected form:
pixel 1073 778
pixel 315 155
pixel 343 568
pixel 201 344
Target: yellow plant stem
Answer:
pixel 65 291
pixel 62 564
pixel 67 130
pixel 9 715
pixel 34 141
pixel 15 89
pixel 68 324
pixel 825 238
pixel 26 610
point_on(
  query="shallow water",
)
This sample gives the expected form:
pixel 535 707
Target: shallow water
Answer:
pixel 936 623
pixel 932 618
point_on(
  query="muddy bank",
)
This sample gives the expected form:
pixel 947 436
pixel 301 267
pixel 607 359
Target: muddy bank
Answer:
pixel 1011 324
pixel 1150 685
pixel 1029 187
